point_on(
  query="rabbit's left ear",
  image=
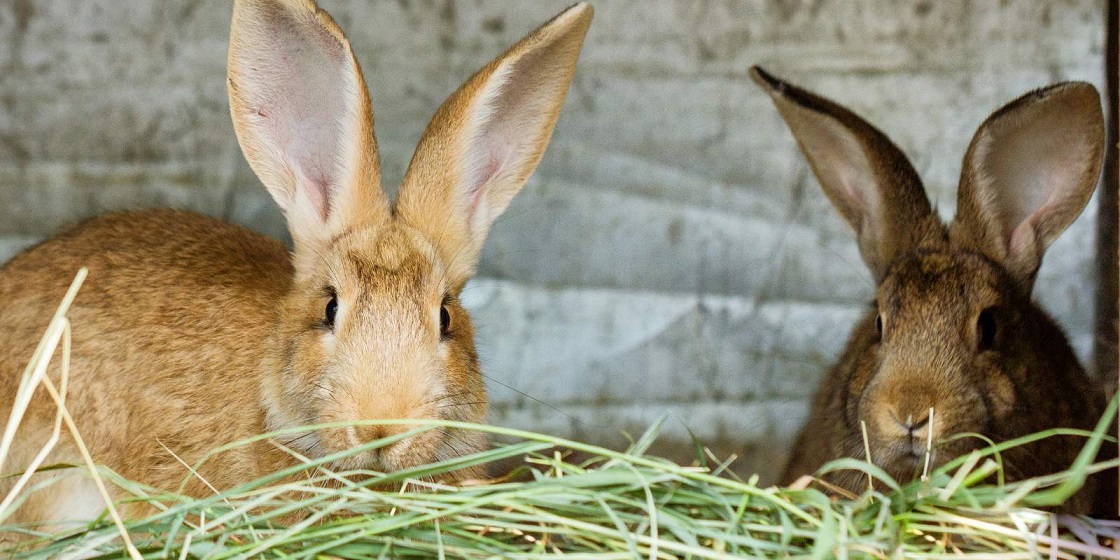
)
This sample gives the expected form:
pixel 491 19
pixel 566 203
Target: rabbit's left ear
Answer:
pixel 1028 173
pixel 487 138
pixel 302 115
pixel 868 179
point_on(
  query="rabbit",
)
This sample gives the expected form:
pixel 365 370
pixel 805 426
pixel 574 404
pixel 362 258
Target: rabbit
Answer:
pixel 191 333
pixel 953 327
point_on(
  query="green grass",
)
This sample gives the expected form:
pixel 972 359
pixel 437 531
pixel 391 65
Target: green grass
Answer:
pixel 609 504
pixel 612 505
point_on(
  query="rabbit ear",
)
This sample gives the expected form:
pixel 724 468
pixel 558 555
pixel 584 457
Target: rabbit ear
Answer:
pixel 487 138
pixel 866 177
pixel 302 115
pixel 1028 173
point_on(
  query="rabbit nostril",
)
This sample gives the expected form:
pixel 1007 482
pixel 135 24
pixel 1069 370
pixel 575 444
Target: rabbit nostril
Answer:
pixel 367 434
pixel 909 426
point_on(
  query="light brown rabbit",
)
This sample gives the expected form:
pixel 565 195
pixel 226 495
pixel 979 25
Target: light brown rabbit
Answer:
pixel 953 327
pixel 191 333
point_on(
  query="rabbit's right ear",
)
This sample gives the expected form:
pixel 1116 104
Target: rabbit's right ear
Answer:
pixel 866 177
pixel 1029 171
pixel 487 138
pixel 302 115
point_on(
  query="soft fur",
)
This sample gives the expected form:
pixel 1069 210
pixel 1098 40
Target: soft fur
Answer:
pixel 953 327
pixel 191 333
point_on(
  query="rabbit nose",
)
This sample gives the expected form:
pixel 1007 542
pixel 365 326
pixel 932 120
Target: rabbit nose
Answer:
pixel 360 435
pixel 910 424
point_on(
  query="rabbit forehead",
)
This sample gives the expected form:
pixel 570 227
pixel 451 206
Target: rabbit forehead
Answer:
pixel 390 262
pixel 939 285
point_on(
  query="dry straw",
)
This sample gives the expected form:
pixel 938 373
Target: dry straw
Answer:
pixel 610 505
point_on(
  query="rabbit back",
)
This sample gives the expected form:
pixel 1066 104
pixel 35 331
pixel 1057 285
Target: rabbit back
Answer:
pixel 167 338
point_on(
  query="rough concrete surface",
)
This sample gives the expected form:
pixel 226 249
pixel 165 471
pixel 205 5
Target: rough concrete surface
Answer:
pixel 672 255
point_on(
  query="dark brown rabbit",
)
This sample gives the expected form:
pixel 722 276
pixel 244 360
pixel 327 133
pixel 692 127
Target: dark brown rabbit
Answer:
pixel 953 327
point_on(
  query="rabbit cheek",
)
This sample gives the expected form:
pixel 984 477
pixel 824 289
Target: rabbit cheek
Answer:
pixel 1000 394
pixel 288 392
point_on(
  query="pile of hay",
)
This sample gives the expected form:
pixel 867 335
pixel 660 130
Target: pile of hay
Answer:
pixel 609 505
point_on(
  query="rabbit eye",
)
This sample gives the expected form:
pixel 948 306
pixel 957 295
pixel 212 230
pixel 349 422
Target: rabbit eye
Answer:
pixel 879 325
pixel 332 311
pixel 986 330
pixel 444 322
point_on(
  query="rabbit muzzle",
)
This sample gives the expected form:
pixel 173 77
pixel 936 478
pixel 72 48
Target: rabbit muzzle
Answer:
pixel 910 413
pixel 389 383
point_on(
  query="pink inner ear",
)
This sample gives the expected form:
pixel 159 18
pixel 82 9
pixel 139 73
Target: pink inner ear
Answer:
pixel 1033 208
pixel 1026 189
pixel 855 197
pixel 299 80
pixel 318 190
pixel 1031 167
pixel 1021 238
pixel 491 163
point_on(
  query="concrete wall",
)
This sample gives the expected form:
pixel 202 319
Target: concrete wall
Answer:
pixel 672 254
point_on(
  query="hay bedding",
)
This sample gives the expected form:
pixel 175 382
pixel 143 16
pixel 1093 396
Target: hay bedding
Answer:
pixel 609 505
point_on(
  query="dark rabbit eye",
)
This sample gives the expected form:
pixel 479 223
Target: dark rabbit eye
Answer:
pixel 879 325
pixel 986 330
pixel 332 311
pixel 444 322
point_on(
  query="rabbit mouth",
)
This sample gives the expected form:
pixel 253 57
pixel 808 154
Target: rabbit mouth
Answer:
pixel 411 451
pixel 905 460
pixel 417 450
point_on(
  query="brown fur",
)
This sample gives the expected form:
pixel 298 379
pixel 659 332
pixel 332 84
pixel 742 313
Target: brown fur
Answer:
pixel 934 284
pixel 191 333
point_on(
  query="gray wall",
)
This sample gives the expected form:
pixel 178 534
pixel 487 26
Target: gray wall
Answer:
pixel 672 254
